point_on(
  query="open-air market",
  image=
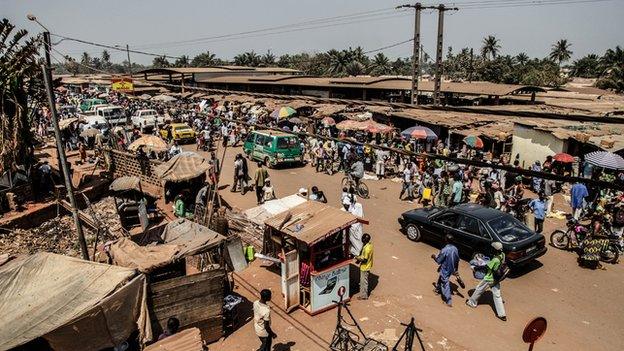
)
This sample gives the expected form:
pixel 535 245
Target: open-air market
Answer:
pixel 156 196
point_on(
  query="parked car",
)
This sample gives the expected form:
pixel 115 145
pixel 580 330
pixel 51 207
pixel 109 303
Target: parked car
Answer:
pixel 144 119
pixel 475 227
pixel 180 132
pixel 273 147
pixel 86 104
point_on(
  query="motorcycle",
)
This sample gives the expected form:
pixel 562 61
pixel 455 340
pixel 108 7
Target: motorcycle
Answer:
pixel 563 239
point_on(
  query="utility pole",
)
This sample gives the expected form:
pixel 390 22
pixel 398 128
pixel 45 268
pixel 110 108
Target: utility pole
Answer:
pixel 47 78
pixel 439 52
pixel 416 55
pixel 129 62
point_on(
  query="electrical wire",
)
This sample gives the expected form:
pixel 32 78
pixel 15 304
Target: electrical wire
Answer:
pixel 482 5
pixel 315 21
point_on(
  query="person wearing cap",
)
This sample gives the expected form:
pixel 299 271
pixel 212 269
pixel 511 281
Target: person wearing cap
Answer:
pixel 488 282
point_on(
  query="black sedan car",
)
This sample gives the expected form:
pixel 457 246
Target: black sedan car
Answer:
pixel 475 227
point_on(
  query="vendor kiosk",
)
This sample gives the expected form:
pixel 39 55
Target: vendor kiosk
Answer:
pixel 312 241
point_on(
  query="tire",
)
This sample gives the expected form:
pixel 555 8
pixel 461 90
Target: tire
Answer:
pixel 613 254
pixel 363 190
pixel 413 232
pixel 559 239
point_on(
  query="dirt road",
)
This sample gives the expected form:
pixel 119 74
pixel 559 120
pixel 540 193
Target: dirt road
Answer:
pixel 583 307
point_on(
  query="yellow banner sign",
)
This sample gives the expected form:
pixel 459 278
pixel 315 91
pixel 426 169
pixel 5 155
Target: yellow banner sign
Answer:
pixel 122 84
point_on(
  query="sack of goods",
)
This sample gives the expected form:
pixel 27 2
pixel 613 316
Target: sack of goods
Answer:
pixel 478 264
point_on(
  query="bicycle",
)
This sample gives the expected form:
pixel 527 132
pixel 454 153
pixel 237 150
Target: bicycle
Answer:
pixel 361 189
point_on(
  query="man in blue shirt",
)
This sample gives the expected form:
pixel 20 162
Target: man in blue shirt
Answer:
pixel 578 193
pixel 448 259
pixel 539 211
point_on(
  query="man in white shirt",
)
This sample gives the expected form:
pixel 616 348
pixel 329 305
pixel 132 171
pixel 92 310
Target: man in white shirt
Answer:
pixel 262 320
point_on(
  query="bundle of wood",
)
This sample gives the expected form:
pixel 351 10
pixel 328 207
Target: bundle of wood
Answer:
pixel 251 233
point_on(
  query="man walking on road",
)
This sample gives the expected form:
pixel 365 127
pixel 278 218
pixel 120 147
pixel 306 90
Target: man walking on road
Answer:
pixel 448 259
pixel 491 281
pixel 262 320
pixel 261 175
pixel 365 259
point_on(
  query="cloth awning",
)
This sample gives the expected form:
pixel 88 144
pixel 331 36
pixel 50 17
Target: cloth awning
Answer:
pixel 125 183
pixel 72 303
pixel 190 237
pixel 126 253
pixel 182 167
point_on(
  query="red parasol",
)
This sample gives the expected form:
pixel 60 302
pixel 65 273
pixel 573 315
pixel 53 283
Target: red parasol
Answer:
pixel 563 158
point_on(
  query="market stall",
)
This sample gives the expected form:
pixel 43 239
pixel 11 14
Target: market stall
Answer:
pixel 312 241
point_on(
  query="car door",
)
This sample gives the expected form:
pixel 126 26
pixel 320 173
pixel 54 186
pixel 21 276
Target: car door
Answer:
pixel 443 224
pixel 258 149
pixel 472 234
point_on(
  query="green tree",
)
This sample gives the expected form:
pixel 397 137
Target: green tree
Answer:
pixel 380 65
pixel 586 67
pixel 491 47
pixel 182 61
pixel 268 59
pixel 522 58
pixel 612 58
pixel 560 51
pixel 106 62
pixel 71 65
pixel 205 59
pixel 338 62
pixel 160 62
pixel 613 80
pixel 249 58
pixel 20 83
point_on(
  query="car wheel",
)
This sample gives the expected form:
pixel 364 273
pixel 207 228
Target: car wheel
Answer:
pixel 412 232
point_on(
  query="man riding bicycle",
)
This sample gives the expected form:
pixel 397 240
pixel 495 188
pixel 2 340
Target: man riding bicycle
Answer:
pixel 356 171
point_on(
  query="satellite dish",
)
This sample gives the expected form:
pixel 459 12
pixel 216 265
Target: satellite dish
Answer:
pixel 534 331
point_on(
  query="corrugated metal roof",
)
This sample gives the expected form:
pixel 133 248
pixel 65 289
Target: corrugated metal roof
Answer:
pixel 215 69
pixel 383 83
pixel 311 221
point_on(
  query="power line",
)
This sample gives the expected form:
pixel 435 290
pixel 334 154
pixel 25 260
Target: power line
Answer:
pixel 481 5
pixel 291 25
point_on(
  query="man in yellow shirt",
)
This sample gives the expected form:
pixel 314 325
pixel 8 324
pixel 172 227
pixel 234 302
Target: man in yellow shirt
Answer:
pixel 365 259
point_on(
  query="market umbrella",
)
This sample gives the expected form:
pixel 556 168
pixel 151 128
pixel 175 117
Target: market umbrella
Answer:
pixel 145 97
pixel 89 133
pixel 605 159
pixel 328 121
pixel 150 142
pixel 474 142
pixel 563 158
pixel 181 167
pixel 419 132
pixel 283 112
pixel 164 98
pixel 295 120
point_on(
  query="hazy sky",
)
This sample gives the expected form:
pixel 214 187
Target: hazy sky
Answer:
pixel 157 25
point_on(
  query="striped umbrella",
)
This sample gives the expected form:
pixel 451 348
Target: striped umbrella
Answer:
pixel 605 159
pixel 419 132
pixel 283 112
pixel 474 142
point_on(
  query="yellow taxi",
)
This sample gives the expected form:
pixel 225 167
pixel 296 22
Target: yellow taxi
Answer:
pixel 180 132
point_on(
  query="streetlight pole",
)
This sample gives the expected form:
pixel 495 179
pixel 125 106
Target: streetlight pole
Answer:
pixel 47 79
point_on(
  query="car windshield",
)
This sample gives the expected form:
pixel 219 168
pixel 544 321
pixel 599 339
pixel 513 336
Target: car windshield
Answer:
pixel 509 229
pixel 182 129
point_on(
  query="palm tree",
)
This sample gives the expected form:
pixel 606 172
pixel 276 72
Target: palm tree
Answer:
pixel 586 67
pixel 20 82
pixel 522 58
pixel 182 61
pixel 249 58
pixel 85 61
pixel 160 62
pixel 611 58
pixel 106 59
pixel 491 47
pixel 268 59
pixel 613 80
pixel 205 59
pixel 338 62
pixel 380 65
pixel 560 51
